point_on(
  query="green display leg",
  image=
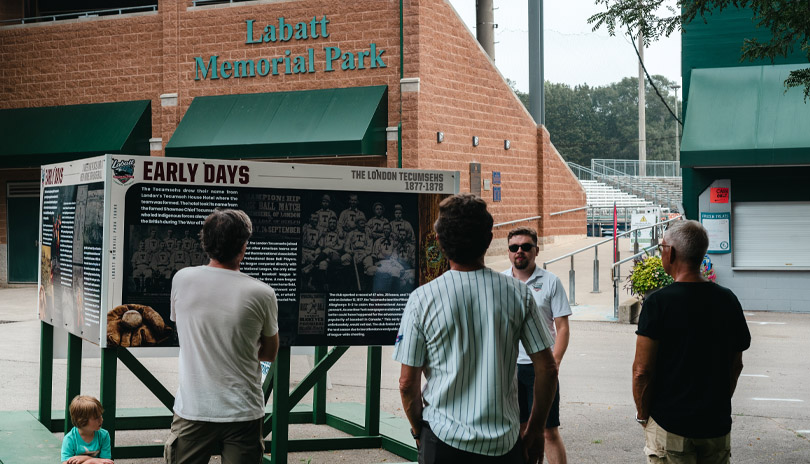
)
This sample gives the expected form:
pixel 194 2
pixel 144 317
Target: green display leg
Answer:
pixel 109 382
pixel 45 373
pixel 279 447
pixel 373 374
pixel 74 375
pixel 319 392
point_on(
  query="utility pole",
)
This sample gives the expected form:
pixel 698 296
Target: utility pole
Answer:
pixel 642 128
pixel 485 26
pixel 677 129
pixel 537 99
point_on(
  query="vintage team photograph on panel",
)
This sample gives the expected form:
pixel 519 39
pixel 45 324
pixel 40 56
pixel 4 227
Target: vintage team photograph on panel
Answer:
pixel 358 242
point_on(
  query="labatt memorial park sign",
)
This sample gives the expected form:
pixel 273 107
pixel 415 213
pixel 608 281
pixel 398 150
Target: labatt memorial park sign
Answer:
pixel 332 57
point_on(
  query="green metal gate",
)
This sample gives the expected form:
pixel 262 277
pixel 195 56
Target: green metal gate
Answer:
pixel 23 231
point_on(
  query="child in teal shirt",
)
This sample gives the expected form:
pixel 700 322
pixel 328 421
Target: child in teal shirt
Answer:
pixel 87 442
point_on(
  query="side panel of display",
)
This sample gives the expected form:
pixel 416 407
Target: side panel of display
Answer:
pixel 342 247
pixel 71 249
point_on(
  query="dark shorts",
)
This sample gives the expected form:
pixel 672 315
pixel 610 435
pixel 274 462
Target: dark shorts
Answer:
pixel 525 376
pixel 434 451
pixel 193 442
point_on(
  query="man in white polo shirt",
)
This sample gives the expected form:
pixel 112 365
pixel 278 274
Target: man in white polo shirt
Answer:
pixel 553 304
pixel 462 330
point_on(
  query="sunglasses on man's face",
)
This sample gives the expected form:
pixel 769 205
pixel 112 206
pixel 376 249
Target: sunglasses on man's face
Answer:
pixel 526 247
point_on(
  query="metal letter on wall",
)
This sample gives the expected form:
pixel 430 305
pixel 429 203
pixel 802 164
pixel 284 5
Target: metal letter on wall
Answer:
pixel 475 179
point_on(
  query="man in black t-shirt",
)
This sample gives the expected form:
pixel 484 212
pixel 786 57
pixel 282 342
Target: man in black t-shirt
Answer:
pixel 691 335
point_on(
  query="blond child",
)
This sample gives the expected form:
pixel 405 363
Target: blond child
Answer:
pixel 87 442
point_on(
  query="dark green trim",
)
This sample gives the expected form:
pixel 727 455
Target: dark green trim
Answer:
pixel 373 374
pixel 399 144
pixel 281 407
pixel 74 375
pixel 267 385
pixel 45 374
pixel 745 158
pixel 329 444
pixel 319 391
pixel 317 373
pixel 36 136
pixel 108 394
pixel 308 123
pixel 146 377
pixel 400 449
pixel 344 425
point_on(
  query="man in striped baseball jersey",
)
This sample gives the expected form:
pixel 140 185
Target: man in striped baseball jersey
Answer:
pixel 462 331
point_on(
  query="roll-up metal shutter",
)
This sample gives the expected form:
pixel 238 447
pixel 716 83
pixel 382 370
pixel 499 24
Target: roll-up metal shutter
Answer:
pixel 771 234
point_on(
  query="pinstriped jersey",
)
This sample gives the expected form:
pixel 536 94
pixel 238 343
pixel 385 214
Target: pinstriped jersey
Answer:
pixel 464 329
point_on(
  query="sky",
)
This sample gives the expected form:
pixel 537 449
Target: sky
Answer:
pixel 573 53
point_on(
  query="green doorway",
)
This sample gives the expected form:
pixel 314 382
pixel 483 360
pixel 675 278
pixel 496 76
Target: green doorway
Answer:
pixel 23 231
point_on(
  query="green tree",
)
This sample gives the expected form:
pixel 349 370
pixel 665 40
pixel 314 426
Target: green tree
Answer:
pixel 602 122
pixel 787 20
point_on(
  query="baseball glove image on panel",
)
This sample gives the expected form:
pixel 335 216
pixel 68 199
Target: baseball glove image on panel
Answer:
pixel 133 325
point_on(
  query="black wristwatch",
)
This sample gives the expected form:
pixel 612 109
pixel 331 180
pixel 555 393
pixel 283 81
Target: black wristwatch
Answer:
pixel 414 435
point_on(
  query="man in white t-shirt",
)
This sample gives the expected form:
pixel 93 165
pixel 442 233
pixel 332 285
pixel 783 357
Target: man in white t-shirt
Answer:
pixel 550 297
pixel 227 322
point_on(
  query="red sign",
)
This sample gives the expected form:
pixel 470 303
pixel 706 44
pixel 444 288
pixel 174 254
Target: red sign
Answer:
pixel 718 195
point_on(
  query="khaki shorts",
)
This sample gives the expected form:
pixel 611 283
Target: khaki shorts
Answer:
pixel 664 447
pixel 193 442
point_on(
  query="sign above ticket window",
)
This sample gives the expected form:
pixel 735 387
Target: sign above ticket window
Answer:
pixel 310 60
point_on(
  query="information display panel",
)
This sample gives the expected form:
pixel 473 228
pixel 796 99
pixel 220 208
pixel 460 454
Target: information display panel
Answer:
pixel 343 247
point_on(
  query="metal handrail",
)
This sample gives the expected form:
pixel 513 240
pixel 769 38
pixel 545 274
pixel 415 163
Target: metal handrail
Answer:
pixel 83 14
pixel 595 246
pixel 560 258
pixel 568 211
pixel 608 171
pixel 631 188
pixel 516 221
pixel 670 167
pixel 615 272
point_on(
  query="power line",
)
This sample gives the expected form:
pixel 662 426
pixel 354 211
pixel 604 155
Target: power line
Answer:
pixel 649 79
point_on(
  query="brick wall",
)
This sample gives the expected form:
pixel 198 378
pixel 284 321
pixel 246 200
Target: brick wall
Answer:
pixel 463 95
pixel 559 191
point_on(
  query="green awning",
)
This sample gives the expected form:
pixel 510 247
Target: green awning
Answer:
pixel 32 137
pixel 742 116
pixel 325 122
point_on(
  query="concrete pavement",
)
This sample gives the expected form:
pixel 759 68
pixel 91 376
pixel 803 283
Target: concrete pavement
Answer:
pixel 771 407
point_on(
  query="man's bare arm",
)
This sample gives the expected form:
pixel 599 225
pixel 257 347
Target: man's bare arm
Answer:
pixel 410 390
pixel 268 348
pixel 563 337
pixel 643 373
pixel 736 370
pixel 545 388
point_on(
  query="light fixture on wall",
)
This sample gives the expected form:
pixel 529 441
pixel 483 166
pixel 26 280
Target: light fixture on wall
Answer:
pixel 439 137
pixel 475 140
pixel 507 144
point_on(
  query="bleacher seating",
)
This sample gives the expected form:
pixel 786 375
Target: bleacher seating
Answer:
pixel 601 195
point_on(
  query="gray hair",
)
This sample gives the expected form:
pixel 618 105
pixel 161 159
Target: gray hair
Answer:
pixel 690 239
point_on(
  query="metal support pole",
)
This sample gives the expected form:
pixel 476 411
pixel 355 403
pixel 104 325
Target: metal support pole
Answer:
pixel 596 269
pixel 617 271
pixel 373 375
pixel 279 446
pixel 319 391
pixel 45 373
pixel 571 284
pixel 635 245
pixel 107 393
pixel 74 375
pixel 537 105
